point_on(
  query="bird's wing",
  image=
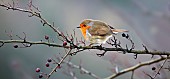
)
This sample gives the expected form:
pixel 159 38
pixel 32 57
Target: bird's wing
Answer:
pixel 100 30
pixel 103 31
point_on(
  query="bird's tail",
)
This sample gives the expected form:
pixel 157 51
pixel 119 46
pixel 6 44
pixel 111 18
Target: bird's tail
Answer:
pixel 119 30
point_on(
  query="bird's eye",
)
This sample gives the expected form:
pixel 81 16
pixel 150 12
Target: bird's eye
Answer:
pixel 84 25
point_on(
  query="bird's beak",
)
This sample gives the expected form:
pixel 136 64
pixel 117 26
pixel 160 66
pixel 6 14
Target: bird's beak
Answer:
pixel 78 27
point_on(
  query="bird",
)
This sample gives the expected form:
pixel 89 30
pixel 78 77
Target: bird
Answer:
pixel 96 31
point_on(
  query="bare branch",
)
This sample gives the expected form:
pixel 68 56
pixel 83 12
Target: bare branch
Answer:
pixel 82 48
pixel 121 49
pixel 32 43
pixel 137 66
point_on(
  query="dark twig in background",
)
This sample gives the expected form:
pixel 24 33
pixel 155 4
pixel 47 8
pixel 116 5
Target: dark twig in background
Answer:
pixel 160 68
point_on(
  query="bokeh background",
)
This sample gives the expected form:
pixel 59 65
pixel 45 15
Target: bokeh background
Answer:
pixel 147 20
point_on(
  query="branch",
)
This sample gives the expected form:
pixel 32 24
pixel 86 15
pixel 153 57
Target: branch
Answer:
pixel 32 43
pixel 128 51
pixel 38 15
pixel 137 66
pixel 87 47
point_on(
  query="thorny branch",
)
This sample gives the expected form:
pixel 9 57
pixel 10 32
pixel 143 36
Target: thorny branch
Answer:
pixel 78 48
pixel 83 48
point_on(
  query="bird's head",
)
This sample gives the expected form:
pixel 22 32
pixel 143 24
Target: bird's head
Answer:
pixel 84 26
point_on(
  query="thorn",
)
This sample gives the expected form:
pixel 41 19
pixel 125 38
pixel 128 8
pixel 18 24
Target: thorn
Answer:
pixel 2 44
pixel 146 50
pixel 136 55
pixel 102 54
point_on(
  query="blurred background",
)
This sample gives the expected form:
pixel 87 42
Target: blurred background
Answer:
pixel 147 20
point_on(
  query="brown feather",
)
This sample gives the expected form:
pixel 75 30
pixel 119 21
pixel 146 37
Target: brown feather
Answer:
pixel 100 29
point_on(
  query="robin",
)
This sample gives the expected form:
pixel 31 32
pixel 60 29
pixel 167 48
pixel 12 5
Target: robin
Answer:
pixel 97 32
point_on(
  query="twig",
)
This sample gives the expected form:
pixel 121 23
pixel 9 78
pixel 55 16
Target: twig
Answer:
pixel 132 74
pixel 58 65
pixel 148 75
pixel 160 68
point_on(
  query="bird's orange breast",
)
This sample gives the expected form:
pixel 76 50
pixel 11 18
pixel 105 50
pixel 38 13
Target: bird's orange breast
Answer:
pixel 83 29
